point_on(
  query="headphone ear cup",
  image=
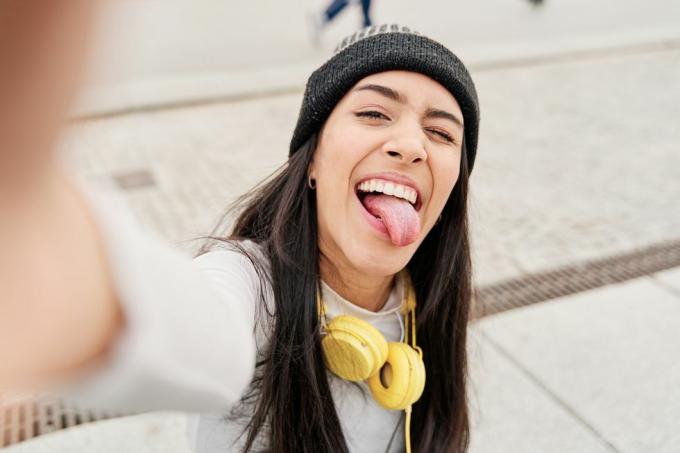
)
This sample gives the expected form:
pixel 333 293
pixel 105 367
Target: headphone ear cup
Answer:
pixel 353 349
pixel 401 380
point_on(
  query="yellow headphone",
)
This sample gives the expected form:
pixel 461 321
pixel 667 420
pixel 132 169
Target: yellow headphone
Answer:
pixel 356 351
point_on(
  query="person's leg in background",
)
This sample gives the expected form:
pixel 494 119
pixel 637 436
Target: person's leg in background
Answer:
pixel 334 9
pixel 366 8
pixel 319 22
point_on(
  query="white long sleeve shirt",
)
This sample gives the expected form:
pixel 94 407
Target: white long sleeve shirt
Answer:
pixel 192 336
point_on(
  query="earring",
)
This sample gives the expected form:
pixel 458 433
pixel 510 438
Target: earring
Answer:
pixel 311 182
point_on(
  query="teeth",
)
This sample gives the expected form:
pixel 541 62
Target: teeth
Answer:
pixel 389 188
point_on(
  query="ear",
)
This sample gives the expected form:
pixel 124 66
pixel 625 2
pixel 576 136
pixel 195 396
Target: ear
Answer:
pixel 311 173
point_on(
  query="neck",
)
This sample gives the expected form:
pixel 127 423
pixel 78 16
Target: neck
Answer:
pixel 365 291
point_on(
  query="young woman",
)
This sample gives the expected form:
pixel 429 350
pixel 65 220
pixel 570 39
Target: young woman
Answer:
pixel 297 332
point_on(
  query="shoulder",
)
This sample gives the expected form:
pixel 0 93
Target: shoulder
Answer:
pixel 235 264
pixel 243 266
pixel 229 253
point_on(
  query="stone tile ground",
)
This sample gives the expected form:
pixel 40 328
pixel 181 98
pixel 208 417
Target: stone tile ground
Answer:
pixel 607 356
pixel 148 433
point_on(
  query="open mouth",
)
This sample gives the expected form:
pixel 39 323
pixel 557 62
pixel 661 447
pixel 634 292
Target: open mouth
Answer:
pixel 391 208
pixel 384 187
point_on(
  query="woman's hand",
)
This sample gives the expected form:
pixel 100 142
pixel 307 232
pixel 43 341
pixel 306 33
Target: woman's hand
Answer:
pixel 58 310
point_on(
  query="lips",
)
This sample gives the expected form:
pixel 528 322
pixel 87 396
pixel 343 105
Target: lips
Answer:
pixel 391 207
pixel 397 180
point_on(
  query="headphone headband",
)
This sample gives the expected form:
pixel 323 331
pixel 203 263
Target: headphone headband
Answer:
pixel 410 292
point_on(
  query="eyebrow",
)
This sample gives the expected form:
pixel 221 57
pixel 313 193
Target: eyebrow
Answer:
pixel 436 113
pixel 400 98
pixel 385 91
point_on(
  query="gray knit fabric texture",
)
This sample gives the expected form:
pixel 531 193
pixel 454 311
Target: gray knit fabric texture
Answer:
pixel 378 49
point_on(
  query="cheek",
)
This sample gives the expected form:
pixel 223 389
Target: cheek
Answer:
pixel 445 172
pixel 332 172
pixel 336 160
pixel 338 156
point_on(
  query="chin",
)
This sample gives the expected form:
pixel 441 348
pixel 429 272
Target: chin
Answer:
pixel 379 258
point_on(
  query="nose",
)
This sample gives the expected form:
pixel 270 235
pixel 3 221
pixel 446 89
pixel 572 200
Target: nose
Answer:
pixel 407 146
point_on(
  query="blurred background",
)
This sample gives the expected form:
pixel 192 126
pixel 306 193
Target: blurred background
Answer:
pixel 574 199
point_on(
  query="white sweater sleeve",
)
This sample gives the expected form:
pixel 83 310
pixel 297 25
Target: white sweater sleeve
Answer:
pixel 188 341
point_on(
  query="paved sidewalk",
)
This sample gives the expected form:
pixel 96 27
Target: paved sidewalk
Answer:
pixel 227 51
pixel 141 40
pixel 593 372
pixel 147 433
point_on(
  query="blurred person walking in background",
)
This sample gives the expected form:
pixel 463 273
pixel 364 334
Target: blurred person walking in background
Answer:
pixel 281 330
pixel 319 22
pixel 338 5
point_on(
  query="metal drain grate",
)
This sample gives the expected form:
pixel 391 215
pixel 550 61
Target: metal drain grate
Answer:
pixel 27 416
pixel 539 287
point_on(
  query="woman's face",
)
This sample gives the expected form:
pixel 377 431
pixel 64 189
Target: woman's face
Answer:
pixel 387 160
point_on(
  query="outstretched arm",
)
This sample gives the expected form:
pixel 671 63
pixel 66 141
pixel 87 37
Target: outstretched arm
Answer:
pixel 85 295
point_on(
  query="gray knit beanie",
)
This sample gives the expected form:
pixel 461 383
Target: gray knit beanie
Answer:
pixel 378 49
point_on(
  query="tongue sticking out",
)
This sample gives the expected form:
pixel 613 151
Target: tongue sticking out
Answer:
pixel 398 215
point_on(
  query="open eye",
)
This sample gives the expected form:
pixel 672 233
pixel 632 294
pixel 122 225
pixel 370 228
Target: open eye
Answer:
pixel 372 114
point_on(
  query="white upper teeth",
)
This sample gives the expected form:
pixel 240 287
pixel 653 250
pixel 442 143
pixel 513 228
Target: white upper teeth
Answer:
pixel 389 188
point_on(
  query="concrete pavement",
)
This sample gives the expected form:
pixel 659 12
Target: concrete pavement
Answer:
pixel 591 372
pixel 161 52
pixel 154 39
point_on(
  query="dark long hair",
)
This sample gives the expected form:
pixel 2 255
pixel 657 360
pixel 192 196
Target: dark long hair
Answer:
pixel 294 408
